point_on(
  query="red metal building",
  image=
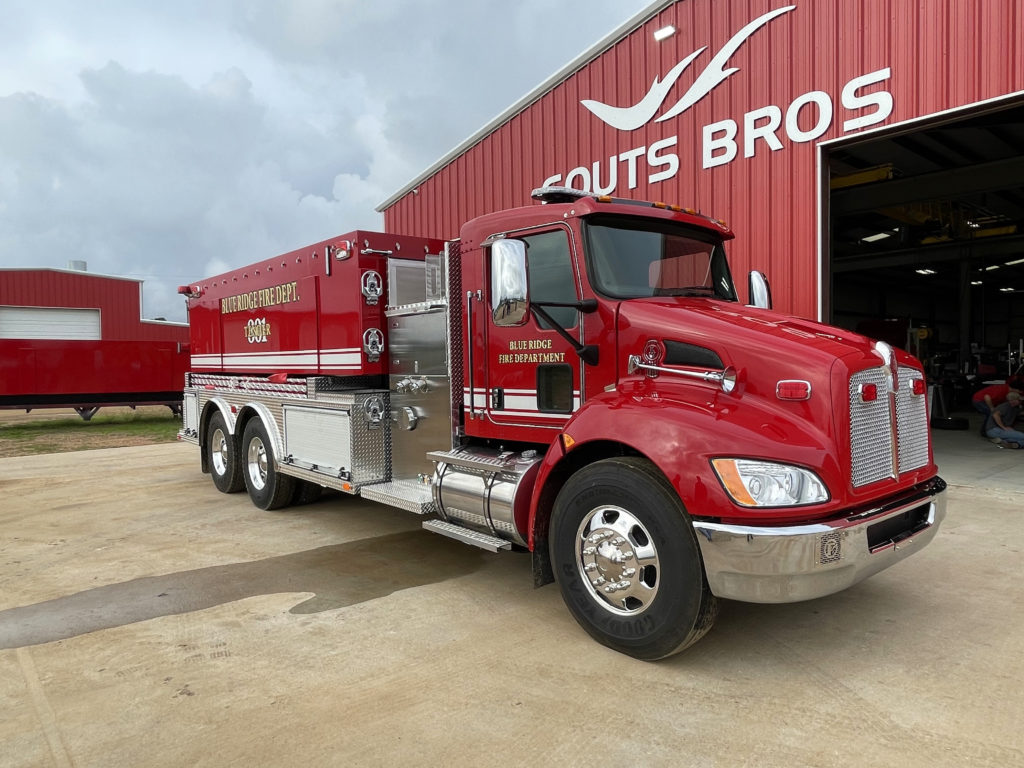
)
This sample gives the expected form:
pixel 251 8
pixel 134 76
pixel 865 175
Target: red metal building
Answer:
pixel 850 144
pixel 70 339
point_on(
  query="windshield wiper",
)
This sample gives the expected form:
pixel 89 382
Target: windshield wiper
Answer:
pixel 686 290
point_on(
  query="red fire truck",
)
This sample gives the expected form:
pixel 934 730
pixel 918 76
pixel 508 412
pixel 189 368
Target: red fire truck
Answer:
pixel 578 379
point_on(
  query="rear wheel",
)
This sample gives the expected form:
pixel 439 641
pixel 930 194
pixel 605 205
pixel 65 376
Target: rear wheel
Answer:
pixel 627 561
pixel 222 454
pixel 306 492
pixel 267 487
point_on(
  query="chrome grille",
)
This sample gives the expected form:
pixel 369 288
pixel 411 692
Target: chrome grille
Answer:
pixel 873 455
pixel 871 446
pixel 911 424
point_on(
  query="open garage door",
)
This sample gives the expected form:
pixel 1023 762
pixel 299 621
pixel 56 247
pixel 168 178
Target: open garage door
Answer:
pixel 925 242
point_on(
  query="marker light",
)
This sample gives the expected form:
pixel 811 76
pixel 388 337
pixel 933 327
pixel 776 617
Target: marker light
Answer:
pixel 868 393
pixel 917 386
pixel 752 483
pixel 793 390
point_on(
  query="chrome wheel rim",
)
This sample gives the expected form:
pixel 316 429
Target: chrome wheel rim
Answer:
pixel 618 560
pixel 219 452
pixel 257 463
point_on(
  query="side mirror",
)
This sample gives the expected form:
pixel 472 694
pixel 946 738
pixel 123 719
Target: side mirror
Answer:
pixel 509 297
pixel 759 291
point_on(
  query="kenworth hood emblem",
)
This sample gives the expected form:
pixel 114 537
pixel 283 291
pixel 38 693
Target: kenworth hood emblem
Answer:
pixel 641 113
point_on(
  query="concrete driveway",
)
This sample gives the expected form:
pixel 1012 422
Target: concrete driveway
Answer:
pixel 148 620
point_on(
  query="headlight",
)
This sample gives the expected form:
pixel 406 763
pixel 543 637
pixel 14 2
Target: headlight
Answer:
pixel 753 483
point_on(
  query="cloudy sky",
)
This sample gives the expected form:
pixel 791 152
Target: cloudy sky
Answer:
pixel 172 141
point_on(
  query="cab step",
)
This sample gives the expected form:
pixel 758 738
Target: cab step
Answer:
pixel 467 536
pixel 410 495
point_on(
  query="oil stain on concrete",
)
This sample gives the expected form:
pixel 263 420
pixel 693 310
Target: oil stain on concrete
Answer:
pixel 339 575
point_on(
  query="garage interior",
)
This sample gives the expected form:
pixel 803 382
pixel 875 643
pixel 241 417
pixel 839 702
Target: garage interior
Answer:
pixel 926 245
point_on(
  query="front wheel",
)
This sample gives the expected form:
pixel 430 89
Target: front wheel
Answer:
pixel 627 561
pixel 267 487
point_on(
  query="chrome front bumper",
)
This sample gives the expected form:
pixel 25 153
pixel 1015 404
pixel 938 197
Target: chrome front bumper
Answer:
pixel 760 564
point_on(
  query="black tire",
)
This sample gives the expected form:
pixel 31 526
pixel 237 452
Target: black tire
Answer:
pixel 305 492
pixel 626 507
pixel 222 456
pixel 267 487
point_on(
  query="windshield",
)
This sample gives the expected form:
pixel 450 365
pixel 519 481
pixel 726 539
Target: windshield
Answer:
pixel 630 258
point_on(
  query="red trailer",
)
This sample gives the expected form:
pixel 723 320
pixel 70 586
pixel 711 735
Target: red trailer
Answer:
pixel 70 339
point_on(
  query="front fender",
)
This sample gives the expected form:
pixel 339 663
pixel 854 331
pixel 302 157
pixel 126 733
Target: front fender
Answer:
pixel 681 437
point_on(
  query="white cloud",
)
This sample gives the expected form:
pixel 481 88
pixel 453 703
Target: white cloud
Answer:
pixel 174 141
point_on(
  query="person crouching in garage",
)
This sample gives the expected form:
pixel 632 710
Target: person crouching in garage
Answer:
pixel 999 427
pixel 989 398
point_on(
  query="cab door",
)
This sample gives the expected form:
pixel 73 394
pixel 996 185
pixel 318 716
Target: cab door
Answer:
pixel 534 377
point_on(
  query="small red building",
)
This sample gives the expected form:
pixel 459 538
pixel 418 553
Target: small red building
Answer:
pixel 70 339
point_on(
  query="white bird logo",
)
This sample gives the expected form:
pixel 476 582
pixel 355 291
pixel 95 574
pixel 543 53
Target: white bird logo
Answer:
pixel 641 113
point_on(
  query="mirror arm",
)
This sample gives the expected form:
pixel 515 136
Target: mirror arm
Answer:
pixel 586 305
pixel 588 353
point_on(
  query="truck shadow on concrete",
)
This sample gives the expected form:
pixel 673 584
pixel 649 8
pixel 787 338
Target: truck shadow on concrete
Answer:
pixel 339 575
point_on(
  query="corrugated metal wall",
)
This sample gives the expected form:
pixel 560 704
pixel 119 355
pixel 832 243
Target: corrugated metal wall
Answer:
pixel 118 300
pixel 942 54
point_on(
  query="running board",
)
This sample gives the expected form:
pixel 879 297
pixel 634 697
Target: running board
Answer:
pixel 467 536
pixel 410 495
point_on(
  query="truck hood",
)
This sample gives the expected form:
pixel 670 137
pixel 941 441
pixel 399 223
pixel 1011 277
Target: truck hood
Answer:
pixel 794 380
pixel 764 348
pixel 736 331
